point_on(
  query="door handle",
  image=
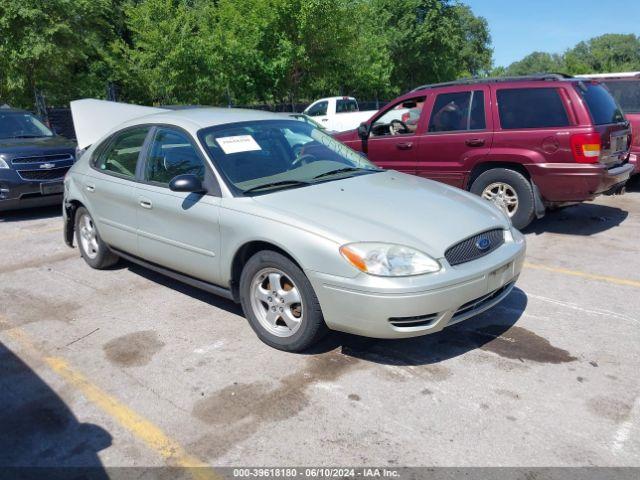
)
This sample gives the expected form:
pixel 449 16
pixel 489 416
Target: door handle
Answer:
pixel 324 120
pixel 404 145
pixel 89 187
pixel 144 203
pixel 475 142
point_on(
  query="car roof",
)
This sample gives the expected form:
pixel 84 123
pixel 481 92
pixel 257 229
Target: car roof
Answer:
pixel 204 117
pixel 94 119
pixel 543 77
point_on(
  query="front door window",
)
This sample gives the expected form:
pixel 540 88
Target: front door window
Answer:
pixel 172 154
pixel 401 119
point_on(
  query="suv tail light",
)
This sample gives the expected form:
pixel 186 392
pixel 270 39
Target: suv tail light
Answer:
pixel 586 147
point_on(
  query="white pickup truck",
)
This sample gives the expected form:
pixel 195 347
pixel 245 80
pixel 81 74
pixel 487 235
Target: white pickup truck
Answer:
pixel 338 114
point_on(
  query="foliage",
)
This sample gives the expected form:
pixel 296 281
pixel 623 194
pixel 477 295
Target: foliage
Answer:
pixel 55 46
pixel 537 62
pixel 233 51
pixel 608 53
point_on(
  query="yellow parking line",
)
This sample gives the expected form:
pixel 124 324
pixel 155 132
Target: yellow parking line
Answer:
pixel 590 276
pixel 170 450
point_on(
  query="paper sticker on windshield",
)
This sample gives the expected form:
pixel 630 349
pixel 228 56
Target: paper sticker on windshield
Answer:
pixel 238 144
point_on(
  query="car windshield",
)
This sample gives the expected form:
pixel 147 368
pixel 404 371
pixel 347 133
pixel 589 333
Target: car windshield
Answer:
pixel 263 156
pixel 626 93
pixel 22 125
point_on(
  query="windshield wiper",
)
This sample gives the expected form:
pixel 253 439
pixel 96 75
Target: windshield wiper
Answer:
pixel 29 136
pixel 346 169
pixel 282 183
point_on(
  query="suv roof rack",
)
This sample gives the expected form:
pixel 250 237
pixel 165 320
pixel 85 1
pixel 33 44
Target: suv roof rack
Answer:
pixel 541 77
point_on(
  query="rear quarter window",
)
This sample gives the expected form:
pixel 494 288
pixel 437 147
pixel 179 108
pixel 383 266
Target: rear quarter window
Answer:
pixel 601 105
pixel 531 108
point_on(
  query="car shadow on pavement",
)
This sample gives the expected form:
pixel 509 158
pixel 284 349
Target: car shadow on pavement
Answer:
pixel 583 219
pixel 429 349
pixel 633 185
pixel 37 429
pixel 31 214
pixel 195 293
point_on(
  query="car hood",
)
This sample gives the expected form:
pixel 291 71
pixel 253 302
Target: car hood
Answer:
pixel 35 146
pixel 389 207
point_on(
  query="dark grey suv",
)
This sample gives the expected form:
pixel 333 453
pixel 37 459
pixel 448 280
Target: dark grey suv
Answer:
pixel 33 161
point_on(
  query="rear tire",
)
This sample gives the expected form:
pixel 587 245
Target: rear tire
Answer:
pixel 94 251
pixel 279 302
pixel 510 191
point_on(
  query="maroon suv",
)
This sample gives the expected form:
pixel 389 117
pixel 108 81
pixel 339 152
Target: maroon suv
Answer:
pixel 525 143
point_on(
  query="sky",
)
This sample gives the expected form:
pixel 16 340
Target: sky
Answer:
pixel 519 27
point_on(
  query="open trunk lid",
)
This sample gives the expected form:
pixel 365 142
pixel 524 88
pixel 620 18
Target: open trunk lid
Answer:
pixel 92 119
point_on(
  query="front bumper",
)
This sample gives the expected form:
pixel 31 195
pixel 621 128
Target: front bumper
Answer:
pixel 412 306
pixel 16 193
pixel 575 182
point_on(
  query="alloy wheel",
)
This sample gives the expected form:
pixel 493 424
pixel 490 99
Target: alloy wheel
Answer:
pixel 88 236
pixel 503 196
pixel 276 302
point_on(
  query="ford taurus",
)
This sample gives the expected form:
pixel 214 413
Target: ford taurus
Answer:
pixel 306 234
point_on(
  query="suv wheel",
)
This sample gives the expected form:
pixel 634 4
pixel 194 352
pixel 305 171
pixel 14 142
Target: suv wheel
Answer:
pixel 510 191
pixel 280 303
pixel 94 251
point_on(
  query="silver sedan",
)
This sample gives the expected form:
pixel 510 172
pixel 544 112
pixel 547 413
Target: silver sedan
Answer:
pixel 306 234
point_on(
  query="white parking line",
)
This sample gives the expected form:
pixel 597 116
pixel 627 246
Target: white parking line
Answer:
pixel 624 430
pixel 591 311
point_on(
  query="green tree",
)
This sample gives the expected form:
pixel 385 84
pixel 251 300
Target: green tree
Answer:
pixel 164 60
pixel 537 62
pixel 475 49
pixel 52 46
pixel 604 54
pixel 433 40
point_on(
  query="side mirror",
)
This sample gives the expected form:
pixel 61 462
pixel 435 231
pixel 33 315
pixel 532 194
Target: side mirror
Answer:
pixel 186 183
pixel 363 131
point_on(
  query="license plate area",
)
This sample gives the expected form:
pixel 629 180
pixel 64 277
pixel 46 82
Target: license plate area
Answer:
pixel 499 276
pixel 618 143
pixel 51 188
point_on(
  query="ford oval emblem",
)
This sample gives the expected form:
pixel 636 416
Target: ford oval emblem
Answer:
pixel 483 243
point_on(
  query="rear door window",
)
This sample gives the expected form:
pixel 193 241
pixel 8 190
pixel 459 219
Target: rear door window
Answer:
pixel 531 108
pixel 459 111
pixel 601 105
pixel 626 93
pixel 121 156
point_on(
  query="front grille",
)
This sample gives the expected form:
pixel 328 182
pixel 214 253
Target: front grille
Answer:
pixel 480 302
pixel 469 249
pixel 42 159
pixel 51 174
pixel 418 321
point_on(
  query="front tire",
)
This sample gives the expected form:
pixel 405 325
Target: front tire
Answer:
pixel 508 190
pixel 94 251
pixel 279 302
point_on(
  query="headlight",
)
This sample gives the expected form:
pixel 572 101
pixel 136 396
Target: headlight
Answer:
pixel 388 260
pixel 3 163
